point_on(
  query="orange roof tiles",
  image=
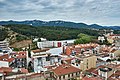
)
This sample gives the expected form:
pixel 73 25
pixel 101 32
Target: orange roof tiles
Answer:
pixel 21 56
pixel 38 50
pixel 23 70
pixel 68 59
pixel 95 70
pixel 5 56
pixel 113 51
pixel 115 76
pixel 65 69
pixel 115 35
pixel 91 45
pixel 5 69
pixel 68 51
pixel 22 53
pixel 91 78
pixel 10 60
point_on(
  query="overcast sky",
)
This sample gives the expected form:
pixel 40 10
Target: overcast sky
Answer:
pixel 103 12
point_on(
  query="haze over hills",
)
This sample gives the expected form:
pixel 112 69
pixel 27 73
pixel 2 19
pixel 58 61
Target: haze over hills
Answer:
pixel 59 23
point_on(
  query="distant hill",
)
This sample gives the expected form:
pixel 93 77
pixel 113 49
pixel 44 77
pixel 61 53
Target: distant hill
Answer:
pixel 24 32
pixel 59 23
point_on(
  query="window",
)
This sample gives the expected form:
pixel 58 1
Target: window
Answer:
pixel 48 58
pixel 76 73
pixel 87 66
pixel 68 75
pixel 60 77
pixel 63 76
pixel 72 74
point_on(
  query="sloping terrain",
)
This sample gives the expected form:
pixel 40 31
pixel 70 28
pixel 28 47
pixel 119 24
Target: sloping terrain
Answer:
pixel 21 44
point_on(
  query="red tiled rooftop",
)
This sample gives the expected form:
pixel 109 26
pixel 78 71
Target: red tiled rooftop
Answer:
pixel 23 70
pixel 115 76
pixel 68 51
pixel 91 45
pixel 115 35
pixel 95 70
pixel 38 50
pixel 21 56
pixel 91 78
pixel 5 69
pixel 49 67
pixel 65 69
pixel 113 51
pixel 68 59
pixel 5 56
pixel 22 53
pixel 10 60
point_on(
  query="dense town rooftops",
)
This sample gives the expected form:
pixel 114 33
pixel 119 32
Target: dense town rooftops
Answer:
pixel 95 70
pixel 10 70
pixel 11 57
pixel 65 69
pixel 115 76
pixel 90 45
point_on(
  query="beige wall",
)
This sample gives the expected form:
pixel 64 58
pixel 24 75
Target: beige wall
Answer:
pixel 116 54
pixel 106 74
pixel 88 63
pixel 66 76
pixel 110 40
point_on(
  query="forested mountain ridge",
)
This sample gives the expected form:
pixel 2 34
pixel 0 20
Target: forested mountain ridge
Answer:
pixel 59 23
pixel 50 33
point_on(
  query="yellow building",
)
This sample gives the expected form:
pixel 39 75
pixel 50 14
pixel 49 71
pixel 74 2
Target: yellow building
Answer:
pixel 88 62
pixel 116 53
pixel 110 40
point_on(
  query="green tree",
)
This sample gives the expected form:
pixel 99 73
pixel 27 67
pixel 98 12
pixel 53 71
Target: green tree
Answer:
pixel 83 38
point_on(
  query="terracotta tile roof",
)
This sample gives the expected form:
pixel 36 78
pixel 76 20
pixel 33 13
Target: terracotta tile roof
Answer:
pixel 21 56
pixel 50 67
pixel 91 78
pixel 10 60
pixel 5 69
pixel 91 70
pixel 91 45
pixel 65 69
pixel 77 50
pixel 5 56
pixel 106 49
pixel 68 51
pixel 118 66
pixel 113 51
pixel 23 70
pixel 38 50
pixel 95 70
pixel 68 59
pixel 115 35
pixel 22 53
pixel 115 76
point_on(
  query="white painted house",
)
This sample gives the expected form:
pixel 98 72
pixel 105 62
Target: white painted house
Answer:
pixel 46 44
pixel 42 59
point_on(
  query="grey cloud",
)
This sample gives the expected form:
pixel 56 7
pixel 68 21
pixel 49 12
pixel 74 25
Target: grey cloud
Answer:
pixel 89 11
